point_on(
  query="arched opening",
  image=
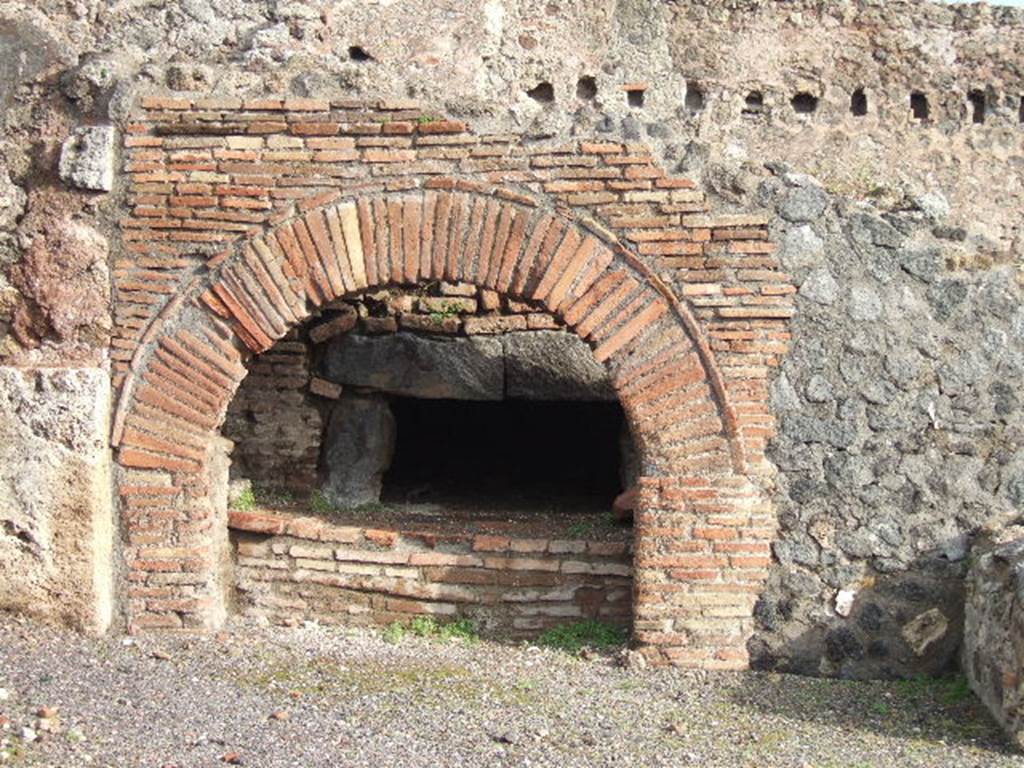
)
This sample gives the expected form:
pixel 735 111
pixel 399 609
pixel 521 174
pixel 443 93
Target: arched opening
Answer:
pixel 393 412
pixel 701 527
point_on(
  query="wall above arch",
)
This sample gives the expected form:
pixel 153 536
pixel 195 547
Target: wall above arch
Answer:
pixel 247 216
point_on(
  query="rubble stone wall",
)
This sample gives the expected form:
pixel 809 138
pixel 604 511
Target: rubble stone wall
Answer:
pixel 993 652
pixel 56 520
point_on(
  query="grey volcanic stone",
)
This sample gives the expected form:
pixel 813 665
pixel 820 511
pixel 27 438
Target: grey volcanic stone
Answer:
pixel 87 158
pixel 553 365
pixel 416 366
pixel 864 304
pixel 26 50
pixel 530 365
pixel 359 443
pixel 819 389
pixel 801 248
pixel 992 655
pixel 820 287
pixel 803 204
pixel 12 202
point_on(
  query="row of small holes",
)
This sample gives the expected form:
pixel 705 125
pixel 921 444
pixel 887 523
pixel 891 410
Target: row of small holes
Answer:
pixel 803 103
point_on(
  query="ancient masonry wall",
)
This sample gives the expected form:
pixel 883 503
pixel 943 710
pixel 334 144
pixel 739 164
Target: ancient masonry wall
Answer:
pixel 900 431
pixel 993 651
pixel 289 568
pixel 361 196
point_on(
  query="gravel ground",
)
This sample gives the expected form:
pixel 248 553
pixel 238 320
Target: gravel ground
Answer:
pixel 315 696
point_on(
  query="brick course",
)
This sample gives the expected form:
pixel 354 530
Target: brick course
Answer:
pixel 354 576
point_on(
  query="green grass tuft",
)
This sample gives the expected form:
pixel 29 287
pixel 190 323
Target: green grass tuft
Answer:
pixel 319 503
pixel 582 529
pixel 956 689
pixel 429 627
pixel 448 309
pixel 573 638
pixel 246 501
pixel 950 690
pixel 271 495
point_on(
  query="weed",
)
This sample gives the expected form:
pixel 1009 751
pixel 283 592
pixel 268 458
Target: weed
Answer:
pixel 424 119
pixel 448 309
pixel 881 708
pixel 270 495
pixel 246 501
pixel 573 638
pixel 429 627
pixel 320 504
pixel 956 689
pixel 950 690
pixel 394 632
pixel 11 750
pixel 581 529
pixel 370 508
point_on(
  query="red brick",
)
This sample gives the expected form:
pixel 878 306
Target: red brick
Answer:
pixel 386 539
pixel 491 543
pixel 255 522
pixel 441 126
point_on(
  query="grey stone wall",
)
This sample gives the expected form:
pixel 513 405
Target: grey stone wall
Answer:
pixel 902 432
pixel 993 653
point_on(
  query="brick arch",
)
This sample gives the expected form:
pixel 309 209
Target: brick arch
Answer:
pixel 192 361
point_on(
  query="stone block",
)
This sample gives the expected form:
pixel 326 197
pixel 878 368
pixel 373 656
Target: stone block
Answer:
pixel 446 305
pixel 414 366
pixel 448 325
pixel 358 446
pixel 87 158
pixel 325 388
pixel 379 324
pixel 493 324
pixel 993 654
pixel 334 327
pixel 553 365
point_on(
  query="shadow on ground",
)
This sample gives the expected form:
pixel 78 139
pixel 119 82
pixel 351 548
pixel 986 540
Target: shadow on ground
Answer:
pixel 925 710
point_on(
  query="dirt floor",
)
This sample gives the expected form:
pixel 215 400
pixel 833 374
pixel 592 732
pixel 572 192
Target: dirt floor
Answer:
pixel 312 696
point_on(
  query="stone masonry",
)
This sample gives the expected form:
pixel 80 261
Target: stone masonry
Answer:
pixel 348 197
pixel 993 656
pixel 875 144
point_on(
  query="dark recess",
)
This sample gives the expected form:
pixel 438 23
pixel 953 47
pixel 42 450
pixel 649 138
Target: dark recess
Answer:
pixel 586 88
pixel 804 103
pixel 542 92
pixel 919 106
pixel 512 454
pixel 859 103
pixel 977 99
pixel 358 53
pixel 754 103
pixel 694 100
